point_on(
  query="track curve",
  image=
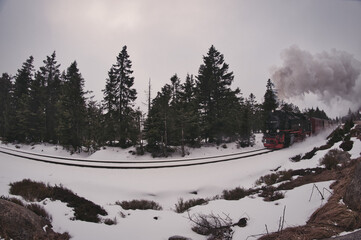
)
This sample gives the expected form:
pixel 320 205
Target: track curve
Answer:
pixel 151 164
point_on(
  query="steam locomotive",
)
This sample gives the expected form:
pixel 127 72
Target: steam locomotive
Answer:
pixel 284 128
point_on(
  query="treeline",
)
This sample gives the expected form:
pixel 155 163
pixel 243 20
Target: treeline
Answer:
pixel 48 105
pixel 45 105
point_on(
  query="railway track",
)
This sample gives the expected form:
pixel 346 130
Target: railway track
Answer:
pixel 111 164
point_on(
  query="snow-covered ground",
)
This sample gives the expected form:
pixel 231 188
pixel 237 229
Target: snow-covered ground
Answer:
pixel 166 186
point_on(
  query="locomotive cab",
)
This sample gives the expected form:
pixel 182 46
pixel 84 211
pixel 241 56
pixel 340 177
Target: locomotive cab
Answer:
pixel 273 137
pixel 283 128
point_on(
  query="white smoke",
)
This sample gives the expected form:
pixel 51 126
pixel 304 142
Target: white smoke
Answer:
pixel 332 76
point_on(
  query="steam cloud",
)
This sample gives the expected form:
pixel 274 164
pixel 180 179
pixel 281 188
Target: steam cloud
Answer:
pixel 331 75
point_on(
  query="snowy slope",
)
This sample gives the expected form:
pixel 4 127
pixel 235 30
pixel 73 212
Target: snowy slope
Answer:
pixel 166 186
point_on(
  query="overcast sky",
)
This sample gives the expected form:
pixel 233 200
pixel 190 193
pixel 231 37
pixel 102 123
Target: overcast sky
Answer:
pixel 171 36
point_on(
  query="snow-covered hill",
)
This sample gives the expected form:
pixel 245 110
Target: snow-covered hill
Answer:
pixel 166 186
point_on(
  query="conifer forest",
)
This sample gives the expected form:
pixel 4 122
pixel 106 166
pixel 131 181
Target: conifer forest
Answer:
pixel 50 104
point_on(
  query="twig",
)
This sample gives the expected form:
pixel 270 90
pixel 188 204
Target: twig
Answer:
pixel 311 192
pixel 266 229
pixel 254 236
pixel 319 191
pixel 279 224
pixel 283 221
pixel 326 190
pixel 313 187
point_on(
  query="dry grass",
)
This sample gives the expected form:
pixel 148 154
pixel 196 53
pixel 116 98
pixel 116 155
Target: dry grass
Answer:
pixel 332 218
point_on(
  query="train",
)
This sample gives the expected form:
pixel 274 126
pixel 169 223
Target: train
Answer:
pixel 284 128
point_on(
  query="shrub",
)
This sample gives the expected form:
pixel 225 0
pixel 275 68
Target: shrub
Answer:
pixel 236 194
pixel 346 145
pixel 139 151
pixel 269 179
pixel 270 194
pixel 84 209
pixel 296 158
pixel 214 226
pixel 330 160
pixel 285 176
pixel 324 147
pixel 109 221
pixel 310 154
pixel 182 206
pixel 336 136
pixel 159 151
pixel 30 190
pixel 273 178
pixel 348 125
pixel 139 204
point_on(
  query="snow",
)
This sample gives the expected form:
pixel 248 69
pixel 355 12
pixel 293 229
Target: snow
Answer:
pixel 166 186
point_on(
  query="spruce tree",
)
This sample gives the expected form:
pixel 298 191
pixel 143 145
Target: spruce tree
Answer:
pixel 6 91
pixel 270 98
pixel 119 97
pixel 174 119
pixel 94 133
pixel 127 96
pixel 23 79
pixel 214 95
pixel 189 113
pixel 51 83
pixel 36 105
pixel 157 123
pixel 72 109
pixel 110 106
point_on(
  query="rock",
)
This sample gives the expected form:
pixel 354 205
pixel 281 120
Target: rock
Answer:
pixel 242 222
pixel 353 191
pixel 17 222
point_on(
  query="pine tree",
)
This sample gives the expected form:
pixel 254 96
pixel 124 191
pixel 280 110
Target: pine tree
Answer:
pixel 214 94
pixel 72 109
pixel 6 91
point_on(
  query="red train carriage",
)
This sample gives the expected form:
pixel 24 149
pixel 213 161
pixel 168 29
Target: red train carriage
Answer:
pixel 318 124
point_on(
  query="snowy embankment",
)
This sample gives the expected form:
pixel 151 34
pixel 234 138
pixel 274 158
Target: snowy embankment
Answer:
pixel 166 186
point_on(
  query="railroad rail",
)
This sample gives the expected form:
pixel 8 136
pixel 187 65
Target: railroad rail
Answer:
pixel 149 164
